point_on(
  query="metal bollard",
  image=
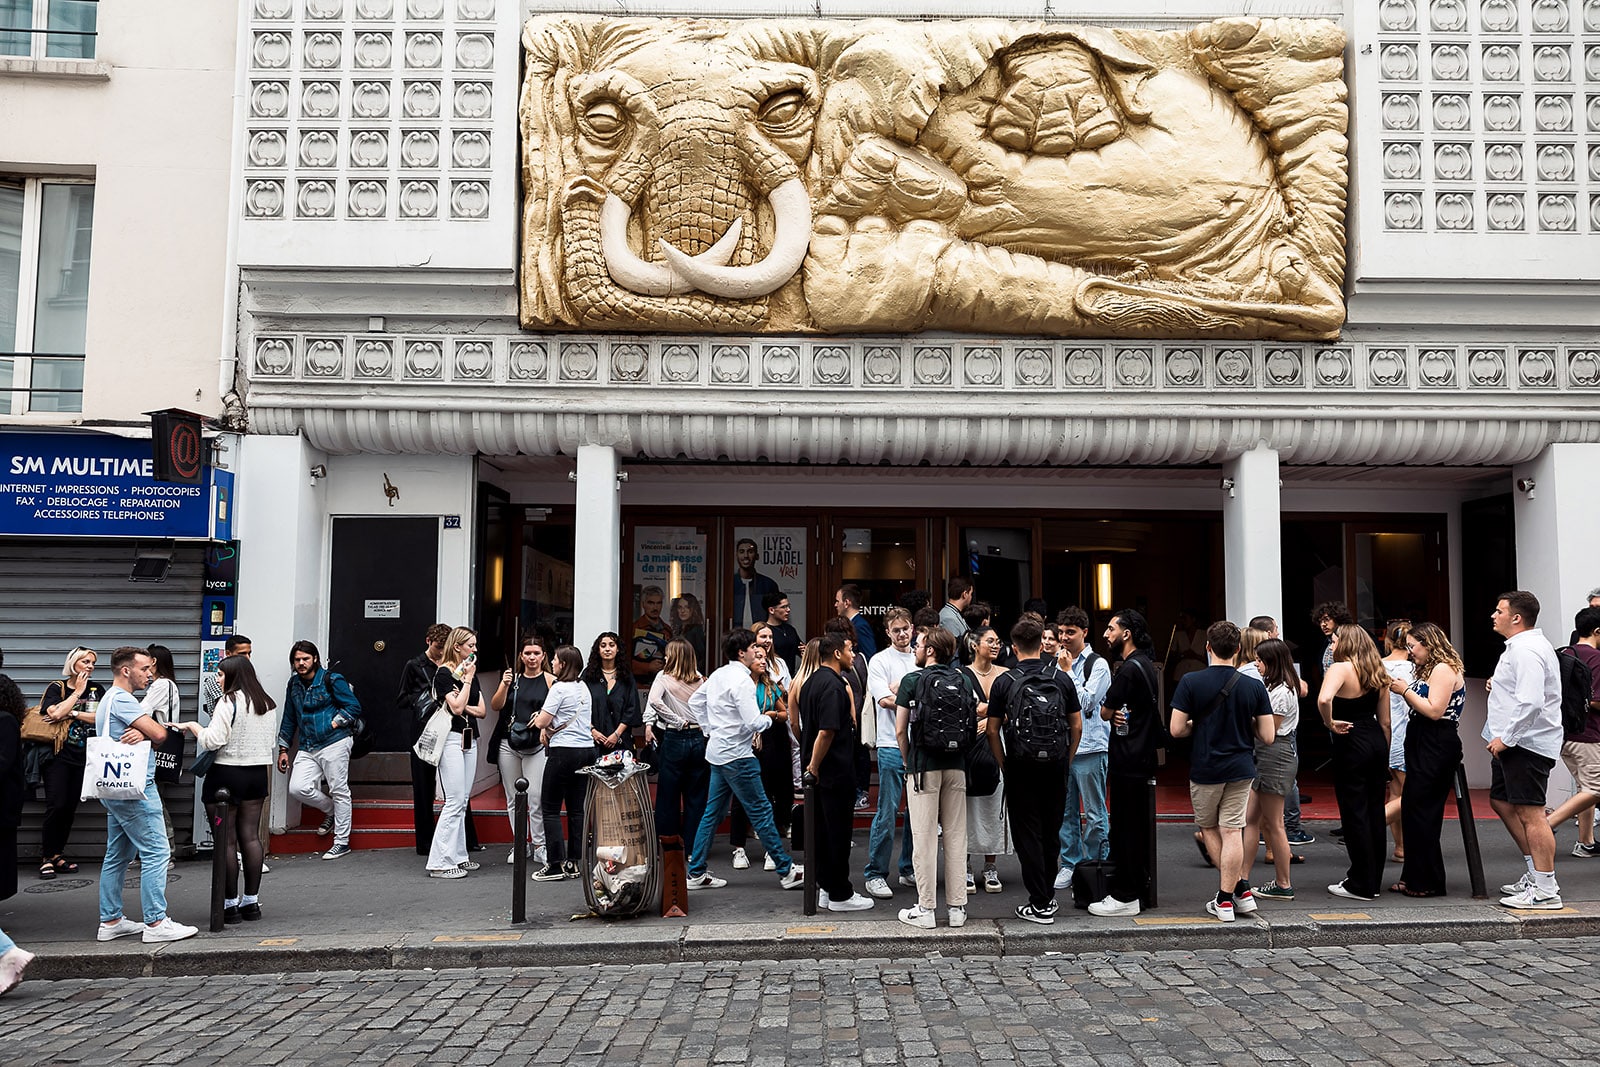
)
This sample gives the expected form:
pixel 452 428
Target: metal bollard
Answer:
pixel 519 854
pixel 808 893
pixel 1155 861
pixel 1469 835
pixel 221 838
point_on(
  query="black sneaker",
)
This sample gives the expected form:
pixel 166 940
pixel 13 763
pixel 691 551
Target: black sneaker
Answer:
pixel 1035 915
pixel 1049 909
pixel 1301 837
pixel 569 869
pixel 250 912
pixel 550 872
pixel 231 916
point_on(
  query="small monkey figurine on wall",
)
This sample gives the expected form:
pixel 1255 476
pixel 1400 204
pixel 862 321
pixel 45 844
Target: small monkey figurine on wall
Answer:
pixel 390 490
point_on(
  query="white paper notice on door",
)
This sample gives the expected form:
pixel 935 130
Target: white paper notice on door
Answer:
pixel 382 609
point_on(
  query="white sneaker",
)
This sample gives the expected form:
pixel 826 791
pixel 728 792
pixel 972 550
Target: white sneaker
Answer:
pixel 1533 899
pixel 1511 889
pixel 958 917
pixel 1111 907
pixel 908 881
pixel 511 857
pixel 915 916
pixel 991 880
pixel 741 861
pixel 855 902
pixel 1338 889
pixel 795 879
pixel 1223 911
pixel 972 886
pixel 1245 903
pixel 1064 878
pixel 706 881
pixel 822 899
pixel 540 856
pixel 767 864
pixel 879 888
pixel 168 929
pixel 123 927
pixel 12 964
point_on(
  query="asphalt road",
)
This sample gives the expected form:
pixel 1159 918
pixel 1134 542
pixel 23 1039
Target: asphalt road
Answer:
pixel 1528 1001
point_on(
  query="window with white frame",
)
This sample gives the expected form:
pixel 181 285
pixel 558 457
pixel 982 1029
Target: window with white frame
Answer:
pixel 46 227
pixel 48 29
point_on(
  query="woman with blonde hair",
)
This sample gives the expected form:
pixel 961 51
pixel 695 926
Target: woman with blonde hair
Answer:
pixel 1351 706
pixel 1397 661
pixel 455 685
pixel 1433 752
pixel 684 774
pixel 73 698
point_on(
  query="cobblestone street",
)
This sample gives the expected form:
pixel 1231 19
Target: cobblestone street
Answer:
pixel 1483 1002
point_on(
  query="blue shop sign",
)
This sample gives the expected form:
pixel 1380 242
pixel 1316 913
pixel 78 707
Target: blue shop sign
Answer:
pixel 93 485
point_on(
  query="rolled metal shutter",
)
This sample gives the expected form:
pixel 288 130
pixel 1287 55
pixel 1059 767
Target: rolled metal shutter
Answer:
pixel 56 594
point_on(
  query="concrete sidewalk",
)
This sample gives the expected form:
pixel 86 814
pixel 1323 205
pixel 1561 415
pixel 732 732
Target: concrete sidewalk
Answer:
pixel 377 909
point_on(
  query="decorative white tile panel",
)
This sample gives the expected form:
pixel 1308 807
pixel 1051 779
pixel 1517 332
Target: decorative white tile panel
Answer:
pixel 1488 111
pixel 393 98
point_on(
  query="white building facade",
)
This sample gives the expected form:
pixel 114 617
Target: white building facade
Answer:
pixel 413 454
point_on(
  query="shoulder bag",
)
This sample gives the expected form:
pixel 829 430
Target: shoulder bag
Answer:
pixel 522 737
pixel 40 729
pixel 113 770
pixel 436 731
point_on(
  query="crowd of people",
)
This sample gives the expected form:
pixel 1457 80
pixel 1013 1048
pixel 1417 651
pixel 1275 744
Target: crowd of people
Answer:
pixel 1029 743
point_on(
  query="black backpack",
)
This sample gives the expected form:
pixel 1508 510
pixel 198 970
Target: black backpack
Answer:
pixel 944 712
pixel 1577 687
pixel 1038 726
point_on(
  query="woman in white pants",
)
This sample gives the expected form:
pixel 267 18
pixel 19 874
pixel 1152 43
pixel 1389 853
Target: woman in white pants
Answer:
pixel 455 683
pixel 522 694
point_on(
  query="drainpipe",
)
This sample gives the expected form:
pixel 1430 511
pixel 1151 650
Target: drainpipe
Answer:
pixel 229 351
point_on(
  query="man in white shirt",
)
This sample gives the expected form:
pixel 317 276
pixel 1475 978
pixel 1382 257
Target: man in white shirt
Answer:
pixel 1523 731
pixel 883 681
pixel 726 709
pixel 1086 779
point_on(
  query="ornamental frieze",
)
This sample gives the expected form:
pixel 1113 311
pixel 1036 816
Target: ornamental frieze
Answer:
pixel 876 176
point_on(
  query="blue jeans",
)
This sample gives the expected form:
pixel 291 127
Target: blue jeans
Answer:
pixel 741 778
pixel 1086 786
pixel 880 843
pixel 1291 807
pixel 135 826
pixel 684 777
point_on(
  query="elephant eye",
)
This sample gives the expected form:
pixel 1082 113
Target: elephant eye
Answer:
pixel 782 108
pixel 604 118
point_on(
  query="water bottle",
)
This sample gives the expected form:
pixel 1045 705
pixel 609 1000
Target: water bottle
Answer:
pixel 1122 725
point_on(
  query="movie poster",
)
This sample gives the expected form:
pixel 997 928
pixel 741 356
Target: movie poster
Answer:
pixel 669 596
pixel 769 559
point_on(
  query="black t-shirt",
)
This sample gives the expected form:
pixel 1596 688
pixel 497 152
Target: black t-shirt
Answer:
pixel 787 644
pixel 1134 754
pixel 445 683
pixel 79 732
pixel 1224 740
pixel 1006 684
pixel 526 698
pixel 825 705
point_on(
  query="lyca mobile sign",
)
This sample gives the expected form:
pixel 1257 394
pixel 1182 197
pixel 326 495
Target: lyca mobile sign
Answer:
pixel 92 485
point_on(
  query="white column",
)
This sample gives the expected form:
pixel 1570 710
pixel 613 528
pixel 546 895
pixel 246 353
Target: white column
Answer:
pixel 597 548
pixel 281 522
pixel 1557 516
pixel 1251 525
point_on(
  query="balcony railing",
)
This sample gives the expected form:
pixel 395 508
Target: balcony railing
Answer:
pixel 40 382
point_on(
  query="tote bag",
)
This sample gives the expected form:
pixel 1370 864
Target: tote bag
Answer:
pixel 435 735
pixel 113 770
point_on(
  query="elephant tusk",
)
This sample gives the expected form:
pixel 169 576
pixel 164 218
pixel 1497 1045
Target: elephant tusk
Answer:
pixel 652 279
pixel 791 207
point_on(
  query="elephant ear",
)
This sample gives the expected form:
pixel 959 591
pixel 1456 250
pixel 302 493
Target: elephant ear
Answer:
pixel 556 48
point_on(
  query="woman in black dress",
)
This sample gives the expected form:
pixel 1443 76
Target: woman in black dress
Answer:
pixel 1433 752
pixel 614 696
pixel 1354 703
pixel 74 697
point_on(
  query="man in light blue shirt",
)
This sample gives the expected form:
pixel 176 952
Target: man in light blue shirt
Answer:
pixel 726 709
pixel 134 826
pixel 1086 780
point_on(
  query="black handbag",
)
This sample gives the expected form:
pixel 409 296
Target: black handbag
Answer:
pixel 168 754
pixel 1091 882
pixel 983 773
pixel 523 737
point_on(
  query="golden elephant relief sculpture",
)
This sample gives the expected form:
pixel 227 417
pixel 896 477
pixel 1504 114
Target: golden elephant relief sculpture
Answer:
pixel 1001 177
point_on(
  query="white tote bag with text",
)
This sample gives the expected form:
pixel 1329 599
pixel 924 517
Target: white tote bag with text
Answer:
pixel 113 770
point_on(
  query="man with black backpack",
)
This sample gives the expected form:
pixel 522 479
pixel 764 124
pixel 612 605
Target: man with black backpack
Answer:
pixel 1037 708
pixel 936 723
pixel 1226 713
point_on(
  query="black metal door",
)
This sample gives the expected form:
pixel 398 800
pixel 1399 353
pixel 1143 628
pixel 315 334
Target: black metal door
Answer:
pixel 382 599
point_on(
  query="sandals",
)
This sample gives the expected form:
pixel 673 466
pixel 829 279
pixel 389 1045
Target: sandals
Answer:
pixel 47 871
pixel 1200 843
pixel 62 865
pixel 1400 887
pixel 1294 857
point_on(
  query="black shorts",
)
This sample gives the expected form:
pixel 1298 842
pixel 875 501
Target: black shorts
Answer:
pixel 1520 777
pixel 242 783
